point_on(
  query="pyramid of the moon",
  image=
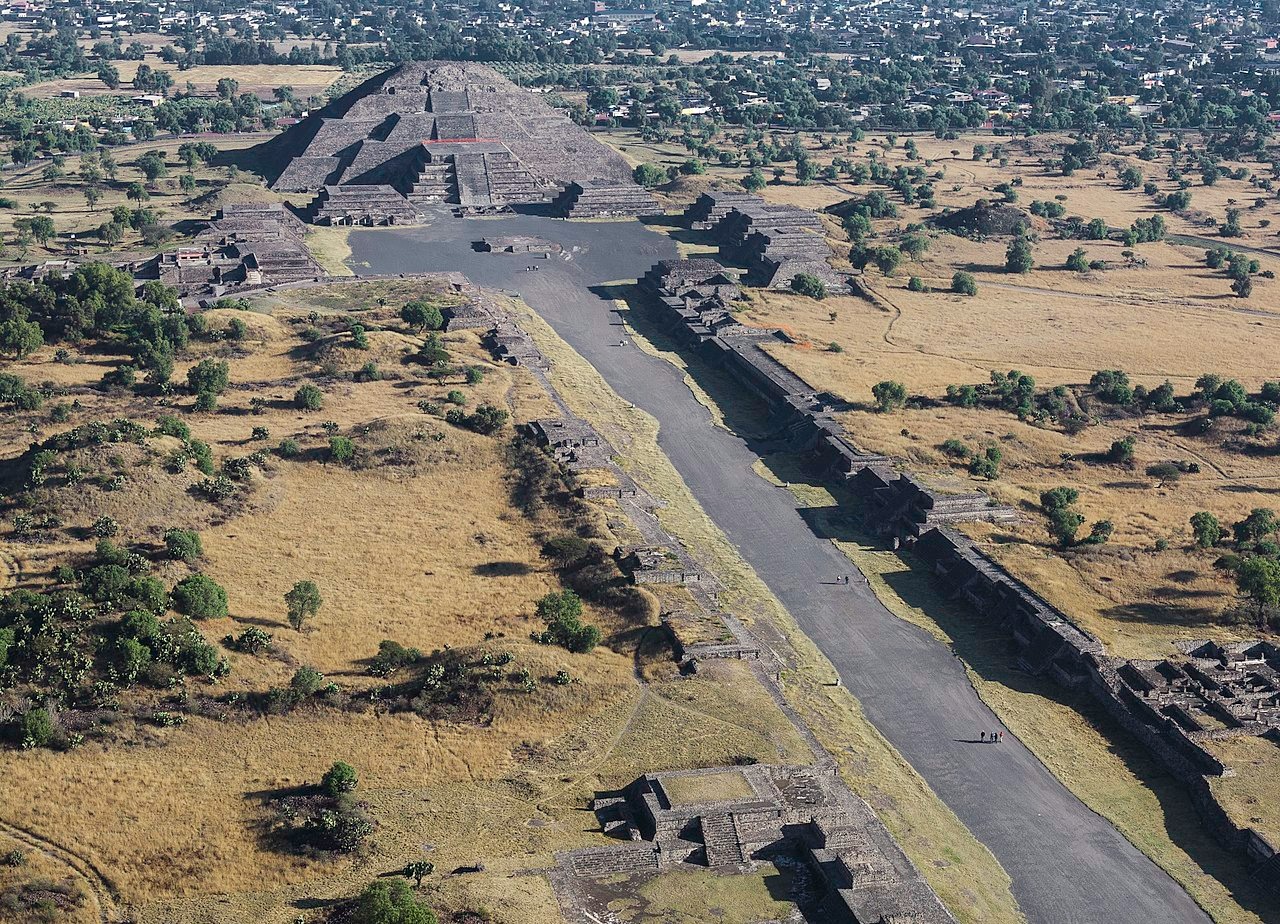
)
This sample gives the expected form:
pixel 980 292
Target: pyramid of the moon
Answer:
pixel 437 132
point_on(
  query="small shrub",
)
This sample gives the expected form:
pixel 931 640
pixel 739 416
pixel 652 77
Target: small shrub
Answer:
pixel 308 398
pixel 183 544
pixel 338 779
pixel 251 641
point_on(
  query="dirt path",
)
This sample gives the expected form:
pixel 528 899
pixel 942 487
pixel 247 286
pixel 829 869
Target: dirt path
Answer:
pixel 98 885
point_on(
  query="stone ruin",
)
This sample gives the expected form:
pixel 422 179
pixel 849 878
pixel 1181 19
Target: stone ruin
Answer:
pixel 571 441
pixel 428 133
pixel 1046 640
pixel 517 243
pixel 660 564
pixel 600 199
pixel 245 246
pixel 361 205
pixel 729 817
pixel 774 242
pixel 899 506
pixel 509 343
pixel 707 210
pixel 1214 691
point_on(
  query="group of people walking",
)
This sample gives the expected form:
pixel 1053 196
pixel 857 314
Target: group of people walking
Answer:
pixel 995 737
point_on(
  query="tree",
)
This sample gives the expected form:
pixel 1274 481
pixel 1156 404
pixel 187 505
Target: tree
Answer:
pixel 1258 578
pixel 809 285
pixel 91 196
pixel 754 181
pixel 562 612
pixel 391 902
pixel 1121 451
pixel 40 227
pixel 183 544
pixel 308 398
pixel 421 315
pixel 36 728
pixel 339 778
pixel 887 259
pixel 889 395
pixel 20 337
pixel 137 192
pixel 200 597
pixel 964 284
pixel 1078 261
pixel 209 376
pixel 152 166
pixel 416 870
pixel 302 602
pixel 914 246
pixel 1260 523
pixel 1018 257
pixel 650 175
pixel 1206 529
pixel 1064 522
pixel 342 449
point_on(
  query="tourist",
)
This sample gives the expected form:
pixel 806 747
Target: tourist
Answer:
pixel 982 736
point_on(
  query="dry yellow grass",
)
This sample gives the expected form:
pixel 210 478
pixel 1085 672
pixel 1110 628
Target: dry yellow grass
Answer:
pixel 1251 795
pixel 430 555
pixel 306 79
pixel 710 788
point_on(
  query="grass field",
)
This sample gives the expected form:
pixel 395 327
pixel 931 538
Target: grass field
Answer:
pixel 305 79
pixel 429 553
pixel 64 200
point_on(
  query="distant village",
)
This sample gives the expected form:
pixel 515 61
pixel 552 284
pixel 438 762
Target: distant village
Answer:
pixel 894 64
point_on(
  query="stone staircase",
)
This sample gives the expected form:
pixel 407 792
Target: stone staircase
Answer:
pixel 607 861
pixel 602 199
pixel 721 839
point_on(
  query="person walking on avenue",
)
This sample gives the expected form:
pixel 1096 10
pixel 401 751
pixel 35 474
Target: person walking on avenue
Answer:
pixel 982 736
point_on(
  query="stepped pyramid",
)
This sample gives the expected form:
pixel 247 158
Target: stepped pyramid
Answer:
pixel 438 132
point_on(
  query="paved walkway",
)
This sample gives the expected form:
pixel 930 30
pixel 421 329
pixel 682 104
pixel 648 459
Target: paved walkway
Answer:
pixel 1068 865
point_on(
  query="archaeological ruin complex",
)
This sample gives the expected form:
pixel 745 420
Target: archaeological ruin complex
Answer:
pixel 437 133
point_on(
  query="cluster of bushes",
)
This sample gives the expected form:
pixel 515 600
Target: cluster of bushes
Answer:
pixel 1254 558
pixel 1238 267
pixel 16 393
pixel 1064 521
pixel 391 657
pixel 984 464
pixel 487 419
pixel 96 301
pixel 329 818
pixel 562 613
pixel 306 685
pixel 453 684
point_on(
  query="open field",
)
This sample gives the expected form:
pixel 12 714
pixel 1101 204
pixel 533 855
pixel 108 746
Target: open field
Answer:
pixel 429 553
pixel 306 79
pixel 64 201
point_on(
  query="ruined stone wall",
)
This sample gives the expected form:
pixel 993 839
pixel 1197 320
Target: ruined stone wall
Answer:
pixel 1049 642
